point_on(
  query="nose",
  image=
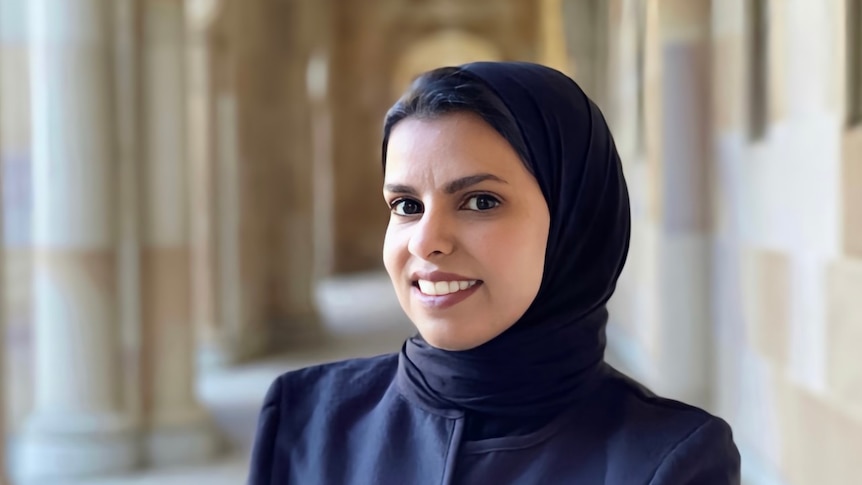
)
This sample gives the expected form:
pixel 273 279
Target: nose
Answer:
pixel 432 236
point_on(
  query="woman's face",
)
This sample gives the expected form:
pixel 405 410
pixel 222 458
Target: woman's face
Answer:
pixel 465 246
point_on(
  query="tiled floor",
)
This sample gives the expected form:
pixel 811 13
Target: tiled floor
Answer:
pixel 364 318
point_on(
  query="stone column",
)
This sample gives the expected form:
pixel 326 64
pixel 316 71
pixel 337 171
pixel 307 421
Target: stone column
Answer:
pixel 179 430
pixel 16 252
pixel 297 323
pixel 200 20
pixel 360 91
pixel 229 188
pixel 214 158
pixel 3 479
pixel 3 473
pixel 78 426
pixel 245 181
pixel 252 147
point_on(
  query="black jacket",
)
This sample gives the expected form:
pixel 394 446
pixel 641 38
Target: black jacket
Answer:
pixel 347 423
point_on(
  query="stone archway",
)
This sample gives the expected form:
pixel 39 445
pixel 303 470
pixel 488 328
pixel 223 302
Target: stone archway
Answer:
pixel 442 48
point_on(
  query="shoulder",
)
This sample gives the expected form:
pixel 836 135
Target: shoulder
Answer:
pixel 348 379
pixel 302 404
pixel 642 409
pixel 678 443
pixel 706 455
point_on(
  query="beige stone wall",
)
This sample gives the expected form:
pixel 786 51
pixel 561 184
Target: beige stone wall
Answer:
pixel 780 216
pixel 785 374
pixel 851 154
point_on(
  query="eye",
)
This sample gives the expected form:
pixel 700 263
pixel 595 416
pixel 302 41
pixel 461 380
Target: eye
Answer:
pixel 481 202
pixel 406 207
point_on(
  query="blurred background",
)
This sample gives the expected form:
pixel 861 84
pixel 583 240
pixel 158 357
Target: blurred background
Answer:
pixel 191 206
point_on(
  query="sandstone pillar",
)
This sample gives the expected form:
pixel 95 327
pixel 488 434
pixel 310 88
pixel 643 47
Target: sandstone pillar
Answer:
pixel 251 152
pixel 264 180
pixel 245 126
pixel 200 22
pixel 214 158
pixel 3 479
pixel 78 426
pixel 296 321
pixel 178 429
pixel 230 190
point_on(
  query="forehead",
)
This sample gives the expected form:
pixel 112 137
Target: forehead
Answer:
pixel 453 144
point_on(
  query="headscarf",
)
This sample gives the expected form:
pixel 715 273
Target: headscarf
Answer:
pixel 551 356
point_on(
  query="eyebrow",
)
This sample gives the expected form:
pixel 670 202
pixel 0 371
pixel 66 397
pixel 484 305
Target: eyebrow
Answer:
pixel 452 187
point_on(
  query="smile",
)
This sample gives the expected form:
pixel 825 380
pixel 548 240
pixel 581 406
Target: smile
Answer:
pixel 441 288
pixel 434 296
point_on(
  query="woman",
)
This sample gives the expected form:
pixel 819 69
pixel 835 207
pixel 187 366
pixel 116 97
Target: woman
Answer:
pixel 510 226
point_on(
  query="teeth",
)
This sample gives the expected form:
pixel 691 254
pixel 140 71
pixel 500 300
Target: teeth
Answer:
pixel 441 288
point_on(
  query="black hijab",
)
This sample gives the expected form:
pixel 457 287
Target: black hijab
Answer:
pixel 552 355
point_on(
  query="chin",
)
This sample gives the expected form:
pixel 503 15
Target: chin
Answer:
pixel 452 346
pixel 448 340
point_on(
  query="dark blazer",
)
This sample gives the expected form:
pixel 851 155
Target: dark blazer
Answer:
pixel 346 423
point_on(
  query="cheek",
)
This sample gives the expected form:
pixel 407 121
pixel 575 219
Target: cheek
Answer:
pixel 516 255
pixel 394 252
